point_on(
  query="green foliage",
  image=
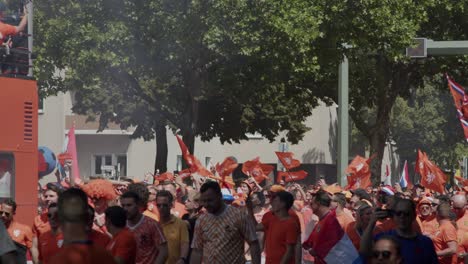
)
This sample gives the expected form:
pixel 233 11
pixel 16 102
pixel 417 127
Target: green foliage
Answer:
pixel 209 68
pixel 428 122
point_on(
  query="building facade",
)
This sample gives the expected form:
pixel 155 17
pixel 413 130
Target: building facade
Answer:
pixel 112 149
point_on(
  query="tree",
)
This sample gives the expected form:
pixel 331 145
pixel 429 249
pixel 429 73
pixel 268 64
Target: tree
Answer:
pixel 428 121
pixel 209 68
pixel 378 32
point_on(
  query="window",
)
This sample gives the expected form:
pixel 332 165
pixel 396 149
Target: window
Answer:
pixel 207 162
pixel 179 163
pixel 110 165
pixel 7 175
pixel 255 135
pixel 40 106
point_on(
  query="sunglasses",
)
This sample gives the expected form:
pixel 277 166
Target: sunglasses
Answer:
pixel 402 213
pixel 385 254
pixel 5 213
pixel 425 207
pixel 49 215
pixel 162 205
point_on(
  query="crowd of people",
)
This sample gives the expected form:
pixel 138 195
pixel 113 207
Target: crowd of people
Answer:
pixel 203 221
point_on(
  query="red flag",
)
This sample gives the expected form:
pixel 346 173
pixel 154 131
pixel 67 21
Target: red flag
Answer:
pixel 185 152
pixel 257 170
pixel 432 176
pixel 359 173
pixel 226 167
pixel 71 150
pixel 194 164
pixel 287 160
pixel 198 168
pixel 461 103
pixel 166 176
pixel 291 175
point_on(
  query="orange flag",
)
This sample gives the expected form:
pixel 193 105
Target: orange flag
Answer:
pixel 291 175
pixel 359 174
pixel 287 160
pixel 185 152
pixel 257 170
pixel 165 176
pixel 225 169
pixel 432 176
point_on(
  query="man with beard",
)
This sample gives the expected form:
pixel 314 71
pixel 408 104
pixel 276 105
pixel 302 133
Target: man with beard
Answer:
pixel 151 242
pixel 220 234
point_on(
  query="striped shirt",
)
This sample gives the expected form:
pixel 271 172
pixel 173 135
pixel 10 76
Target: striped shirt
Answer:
pixel 221 237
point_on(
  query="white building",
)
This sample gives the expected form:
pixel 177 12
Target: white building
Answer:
pixel 113 146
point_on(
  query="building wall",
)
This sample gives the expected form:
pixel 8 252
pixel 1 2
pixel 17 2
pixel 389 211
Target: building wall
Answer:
pixel 319 145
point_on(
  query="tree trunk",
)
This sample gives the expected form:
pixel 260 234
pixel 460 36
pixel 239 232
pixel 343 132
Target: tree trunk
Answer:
pixel 377 140
pixel 161 147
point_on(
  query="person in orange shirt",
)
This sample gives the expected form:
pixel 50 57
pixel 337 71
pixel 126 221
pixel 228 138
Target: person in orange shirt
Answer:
pixel 51 241
pixel 123 245
pixel 281 230
pixel 338 203
pixel 445 239
pixel 74 218
pixel 41 222
pixel 19 233
pixel 426 219
pixel 459 208
pixel 99 239
pixel 9 30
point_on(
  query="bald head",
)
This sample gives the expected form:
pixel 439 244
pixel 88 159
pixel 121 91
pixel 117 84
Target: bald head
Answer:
pixel 459 199
pixel 459 204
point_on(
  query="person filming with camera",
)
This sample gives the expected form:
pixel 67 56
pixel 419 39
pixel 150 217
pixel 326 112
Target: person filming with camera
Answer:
pixel 415 247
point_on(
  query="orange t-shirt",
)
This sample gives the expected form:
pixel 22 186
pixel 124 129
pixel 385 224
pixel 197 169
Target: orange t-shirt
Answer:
pixel 99 239
pixel 41 224
pixel 123 245
pixel 429 226
pixel 462 222
pixel 82 254
pixel 278 235
pixel 462 233
pixel 49 245
pixel 462 237
pixel 355 235
pixel 344 219
pixel 149 237
pixel 20 233
pixel 6 30
pixel 447 232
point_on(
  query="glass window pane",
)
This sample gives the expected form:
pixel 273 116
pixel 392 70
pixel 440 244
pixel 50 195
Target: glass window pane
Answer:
pixel 108 161
pixel 7 175
pixel 97 165
pixel 122 163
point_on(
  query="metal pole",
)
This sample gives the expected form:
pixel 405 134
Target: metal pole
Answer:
pixel 343 106
pixel 29 7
